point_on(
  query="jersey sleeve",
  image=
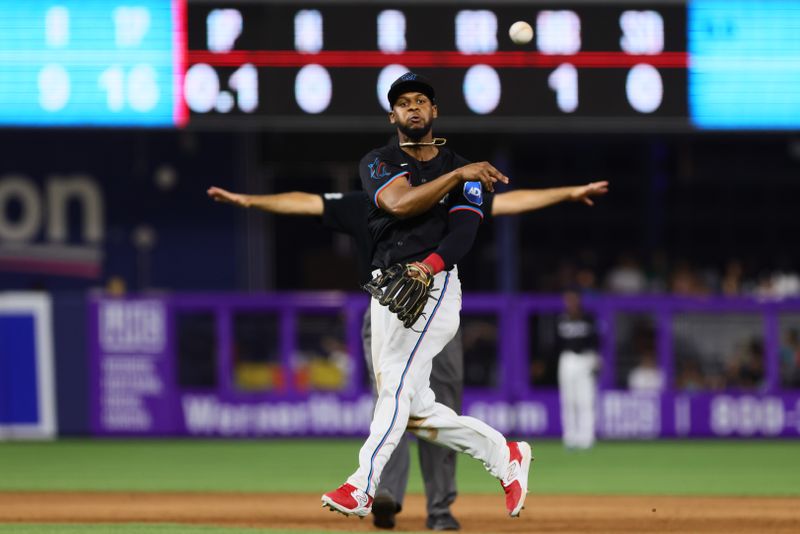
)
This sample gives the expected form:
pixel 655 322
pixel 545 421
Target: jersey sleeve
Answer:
pixel 465 213
pixel 470 198
pixel 462 227
pixel 345 212
pixel 488 200
pixel 377 173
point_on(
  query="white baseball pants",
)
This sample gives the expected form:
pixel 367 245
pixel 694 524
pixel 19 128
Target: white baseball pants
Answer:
pixel 577 391
pixel 402 360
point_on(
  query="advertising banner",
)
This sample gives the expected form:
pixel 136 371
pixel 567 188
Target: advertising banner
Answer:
pixel 135 356
pixel 132 368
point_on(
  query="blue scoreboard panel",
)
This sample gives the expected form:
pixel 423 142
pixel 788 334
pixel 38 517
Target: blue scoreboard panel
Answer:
pixel 744 64
pixel 91 62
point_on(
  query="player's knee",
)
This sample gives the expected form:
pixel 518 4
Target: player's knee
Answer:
pixel 419 427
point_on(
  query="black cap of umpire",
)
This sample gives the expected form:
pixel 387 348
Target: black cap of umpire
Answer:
pixel 409 82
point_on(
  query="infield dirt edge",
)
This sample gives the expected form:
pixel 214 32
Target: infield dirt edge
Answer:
pixel 477 513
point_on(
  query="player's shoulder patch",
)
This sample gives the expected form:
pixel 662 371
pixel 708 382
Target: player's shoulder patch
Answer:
pixel 473 192
pixel 379 168
pixel 333 196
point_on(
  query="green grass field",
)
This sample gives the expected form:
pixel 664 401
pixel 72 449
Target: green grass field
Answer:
pixel 665 467
pixel 724 468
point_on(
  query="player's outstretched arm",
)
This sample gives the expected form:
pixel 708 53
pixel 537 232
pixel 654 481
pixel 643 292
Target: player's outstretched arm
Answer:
pixel 293 203
pixel 524 200
pixel 403 201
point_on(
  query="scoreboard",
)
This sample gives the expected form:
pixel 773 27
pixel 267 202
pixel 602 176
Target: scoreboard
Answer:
pixel 332 64
pixel 294 65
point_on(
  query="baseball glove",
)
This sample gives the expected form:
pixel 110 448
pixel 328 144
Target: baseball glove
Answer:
pixel 404 289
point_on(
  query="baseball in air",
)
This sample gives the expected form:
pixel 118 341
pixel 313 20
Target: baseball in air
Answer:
pixel 520 32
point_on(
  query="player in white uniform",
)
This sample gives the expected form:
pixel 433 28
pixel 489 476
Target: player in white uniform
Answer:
pixel 410 224
pixel 347 212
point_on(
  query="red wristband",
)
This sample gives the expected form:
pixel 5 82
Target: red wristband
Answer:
pixel 435 261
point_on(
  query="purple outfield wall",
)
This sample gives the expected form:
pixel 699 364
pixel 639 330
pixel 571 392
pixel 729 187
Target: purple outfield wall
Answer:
pixel 135 391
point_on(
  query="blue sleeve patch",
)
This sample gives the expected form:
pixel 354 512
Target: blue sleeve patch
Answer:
pixel 473 192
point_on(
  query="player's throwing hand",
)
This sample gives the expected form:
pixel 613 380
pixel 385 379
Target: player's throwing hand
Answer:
pixel 585 192
pixel 221 195
pixel 483 171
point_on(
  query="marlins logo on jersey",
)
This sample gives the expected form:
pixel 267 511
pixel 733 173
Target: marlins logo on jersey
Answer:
pixel 377 169
pixel 473 192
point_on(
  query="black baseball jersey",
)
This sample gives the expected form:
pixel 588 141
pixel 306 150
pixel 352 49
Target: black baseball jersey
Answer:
pixel 488 201
pixel 347 213
pixel 448 228
pixel 576 334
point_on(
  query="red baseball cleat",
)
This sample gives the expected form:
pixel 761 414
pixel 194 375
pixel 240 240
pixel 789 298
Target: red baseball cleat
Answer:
pixel 515 483
pixel 348 500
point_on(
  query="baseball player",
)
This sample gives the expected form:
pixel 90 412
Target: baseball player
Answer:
pixel 347 213
pixel 578 363
pixel 423 234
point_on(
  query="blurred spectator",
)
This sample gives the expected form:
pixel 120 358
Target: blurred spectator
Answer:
pixel 779 284
pixel 480 343
pixel 686 281
pixel 708 281
pixel 543 369
pixel 682 280
pixel 337 355
pixel 586 280
pixel 646 376
pixel 566 274
pixel 635 341
pixel 665 272
pixel 745 369
pixel 658 273
pixel 324 366
pixel 586 275
pixel 732 278
pixel 538 371
pixel 786 284
pixel 790 358
pixel 690 376
pixel 257 376
pixel 626 277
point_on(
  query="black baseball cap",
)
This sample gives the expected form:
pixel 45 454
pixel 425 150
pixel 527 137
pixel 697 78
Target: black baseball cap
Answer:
pixel 409 82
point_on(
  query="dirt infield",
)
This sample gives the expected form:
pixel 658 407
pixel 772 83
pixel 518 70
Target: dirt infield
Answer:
pixel 484 514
